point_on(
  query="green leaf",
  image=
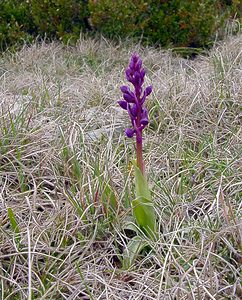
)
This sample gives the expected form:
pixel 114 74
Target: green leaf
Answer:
pixel 13 220
pixel 132 227
pixel 143 207
pixel 14 226
pixel 145 216
pixel 141 184
pixel 134 247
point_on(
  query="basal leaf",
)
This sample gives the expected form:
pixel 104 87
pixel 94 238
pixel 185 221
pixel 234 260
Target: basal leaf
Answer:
pixel 145 215
pixel 143 207
pixel 134 247
pixel 141 184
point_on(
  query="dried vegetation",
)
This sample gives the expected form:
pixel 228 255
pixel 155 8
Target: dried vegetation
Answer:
pixel 62 144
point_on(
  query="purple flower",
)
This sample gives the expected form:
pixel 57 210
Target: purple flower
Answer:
pixel 123 104
pixel 129 132
pixel 133 101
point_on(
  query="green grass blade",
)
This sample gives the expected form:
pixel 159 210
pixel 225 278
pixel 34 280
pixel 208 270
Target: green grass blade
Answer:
pixel 14 226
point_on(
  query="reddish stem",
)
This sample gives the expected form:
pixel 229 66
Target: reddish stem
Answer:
pixel 139 156
pixel 139 146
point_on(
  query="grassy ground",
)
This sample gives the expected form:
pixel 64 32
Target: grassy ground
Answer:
pixel 63 155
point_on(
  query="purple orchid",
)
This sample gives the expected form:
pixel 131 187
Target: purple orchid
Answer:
pixel 133 102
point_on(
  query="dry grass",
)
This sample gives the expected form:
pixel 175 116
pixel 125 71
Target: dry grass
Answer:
pixel 61 142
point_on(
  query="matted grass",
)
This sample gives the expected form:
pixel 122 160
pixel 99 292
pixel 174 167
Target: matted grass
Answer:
pixel 62 145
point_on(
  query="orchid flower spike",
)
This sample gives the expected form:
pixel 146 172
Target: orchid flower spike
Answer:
pixel 133 101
